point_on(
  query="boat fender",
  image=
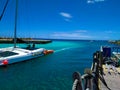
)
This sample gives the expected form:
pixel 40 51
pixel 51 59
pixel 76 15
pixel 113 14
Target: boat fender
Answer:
pixel 5 62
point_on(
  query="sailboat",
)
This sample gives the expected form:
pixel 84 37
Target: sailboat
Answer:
pixel 16 54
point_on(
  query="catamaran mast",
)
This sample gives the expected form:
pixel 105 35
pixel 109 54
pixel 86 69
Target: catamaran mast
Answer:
pixel 15 29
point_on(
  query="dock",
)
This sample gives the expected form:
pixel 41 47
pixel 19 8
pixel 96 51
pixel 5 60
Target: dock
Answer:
pixel 104 73
pixel 117 55
pixel 24 40
pixel 112 80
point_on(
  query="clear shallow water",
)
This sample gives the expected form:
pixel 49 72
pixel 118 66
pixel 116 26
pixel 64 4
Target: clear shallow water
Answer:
pixel 51 72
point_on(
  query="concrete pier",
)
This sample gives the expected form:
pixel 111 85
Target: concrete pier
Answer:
pixel 112 79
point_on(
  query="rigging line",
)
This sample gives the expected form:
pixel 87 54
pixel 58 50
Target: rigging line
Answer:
pixel 15 28
pixel 4 10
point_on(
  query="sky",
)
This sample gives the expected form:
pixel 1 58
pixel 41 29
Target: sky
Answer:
pixel 62 19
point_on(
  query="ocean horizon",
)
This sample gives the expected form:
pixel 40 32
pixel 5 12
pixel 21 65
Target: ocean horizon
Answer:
pixel 53 71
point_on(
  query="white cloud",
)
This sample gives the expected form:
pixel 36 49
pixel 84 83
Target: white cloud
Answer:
pixel 94 1
pixel 81 31
pixel 99 0
pixel 111 32
pixel 90 1
pixel 66 15
pixel 67 35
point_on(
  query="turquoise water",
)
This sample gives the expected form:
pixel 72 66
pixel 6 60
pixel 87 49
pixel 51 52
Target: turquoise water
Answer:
pixel 51 72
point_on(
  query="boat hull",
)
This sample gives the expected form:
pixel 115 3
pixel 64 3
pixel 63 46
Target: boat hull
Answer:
pixel 22 55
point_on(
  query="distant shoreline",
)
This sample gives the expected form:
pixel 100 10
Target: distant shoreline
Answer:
pixel 117 42
pixel 25 40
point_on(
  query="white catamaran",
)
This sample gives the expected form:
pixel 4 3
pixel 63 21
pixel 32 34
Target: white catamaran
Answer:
pixel 15 54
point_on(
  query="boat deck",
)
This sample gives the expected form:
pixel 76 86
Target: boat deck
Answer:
pixel 7 53
pixel 112 79
pixel 10 52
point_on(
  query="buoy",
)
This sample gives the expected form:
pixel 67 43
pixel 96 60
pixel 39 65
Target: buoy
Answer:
pixel 5 62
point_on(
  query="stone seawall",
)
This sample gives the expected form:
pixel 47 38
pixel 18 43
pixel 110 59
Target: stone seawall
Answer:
pixel 25 41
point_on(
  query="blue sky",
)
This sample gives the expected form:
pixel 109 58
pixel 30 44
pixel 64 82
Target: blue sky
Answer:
pixel 63 19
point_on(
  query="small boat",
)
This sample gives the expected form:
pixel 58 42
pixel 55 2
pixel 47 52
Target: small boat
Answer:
pixel 48 52
pixel 15 54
